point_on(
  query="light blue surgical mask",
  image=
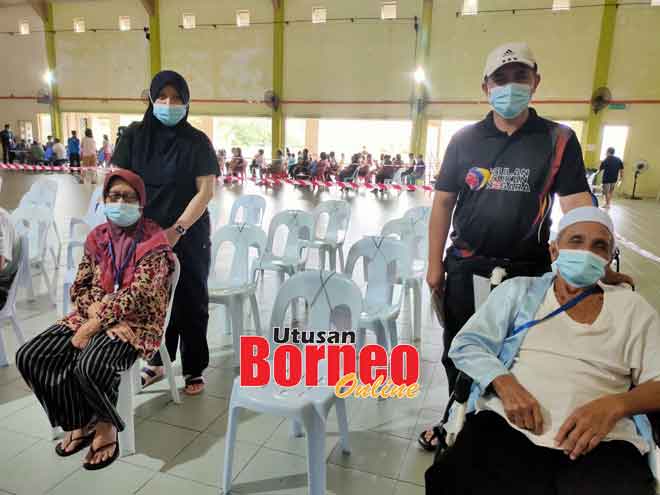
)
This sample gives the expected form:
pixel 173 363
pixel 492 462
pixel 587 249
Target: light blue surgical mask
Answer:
pixel 510 100
pixel 169 115
pixel 578 267
pixel 122 214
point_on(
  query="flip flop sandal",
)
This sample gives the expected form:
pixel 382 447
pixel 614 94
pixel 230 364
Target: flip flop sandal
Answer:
pixel 198 380
pixel 95 467
pixel 84 441
pixel 151 377
pixel 427 444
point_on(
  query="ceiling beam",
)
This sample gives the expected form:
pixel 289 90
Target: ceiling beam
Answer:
pixel 149 6
pixel 41 8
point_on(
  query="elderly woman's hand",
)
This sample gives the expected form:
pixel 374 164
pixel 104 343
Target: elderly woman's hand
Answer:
pixel 122 332
pixel 94 310
pixel 84 334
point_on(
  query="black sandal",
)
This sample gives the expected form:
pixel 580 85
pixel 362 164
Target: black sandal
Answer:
pixel 95 467
pixel 84 440
pixel 428 445
pixel 151 377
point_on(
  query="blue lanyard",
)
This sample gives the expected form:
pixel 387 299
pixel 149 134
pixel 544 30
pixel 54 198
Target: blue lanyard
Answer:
pixel 560 309
pixel 119 271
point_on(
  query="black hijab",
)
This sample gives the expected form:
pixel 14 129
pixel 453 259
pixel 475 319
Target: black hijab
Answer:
pixel 163 155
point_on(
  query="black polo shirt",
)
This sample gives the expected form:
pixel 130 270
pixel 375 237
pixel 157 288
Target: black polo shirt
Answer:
pixel 611 166
pixel 495 216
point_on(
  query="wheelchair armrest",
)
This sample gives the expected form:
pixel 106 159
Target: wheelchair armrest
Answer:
pixel 462 388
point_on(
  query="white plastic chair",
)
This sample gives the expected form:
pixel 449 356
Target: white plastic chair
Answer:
pixel 130 379
pixel 300 229
pixel 331 242
pixel 233 292
pixel 43 193
pixel 93 217
pixel 8 311
pixel 387 262
pixel 309 406
pixel 33 222
pixel 250 208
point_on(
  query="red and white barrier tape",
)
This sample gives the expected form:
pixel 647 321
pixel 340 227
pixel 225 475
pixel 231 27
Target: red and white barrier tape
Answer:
pixel 266 181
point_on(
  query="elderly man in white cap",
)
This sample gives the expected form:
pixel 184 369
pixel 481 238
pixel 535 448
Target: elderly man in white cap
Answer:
pixel 564 371
pixel 496 188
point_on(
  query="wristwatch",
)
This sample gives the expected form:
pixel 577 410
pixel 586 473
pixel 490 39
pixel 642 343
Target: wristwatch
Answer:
pixel 178 228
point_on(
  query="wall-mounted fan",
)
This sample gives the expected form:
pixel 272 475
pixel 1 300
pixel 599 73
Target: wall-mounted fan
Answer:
pixel 641 166
pixel 43 96
pixel 600 99
pixel 271 99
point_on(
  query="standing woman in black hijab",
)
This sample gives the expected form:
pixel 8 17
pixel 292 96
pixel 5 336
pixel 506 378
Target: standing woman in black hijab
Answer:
pixel 178 166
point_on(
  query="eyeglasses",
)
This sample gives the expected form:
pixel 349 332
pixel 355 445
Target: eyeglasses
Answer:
pixel 125 197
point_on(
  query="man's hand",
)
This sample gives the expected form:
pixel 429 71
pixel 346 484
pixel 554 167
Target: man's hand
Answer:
pixel 435 277
pixel 2 262
pixel 522 409
pixel 588 425
pixel 122 332
pixel 615 278
pixel 172 236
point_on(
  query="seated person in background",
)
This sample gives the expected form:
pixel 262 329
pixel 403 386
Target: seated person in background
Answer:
pixel 560 364
pixel 238 163
pixel 277 165
pixel 291 164
pixel 419 172
pixel 9 255
pixel 322 167
pixel 386 171
pixel 398 161
pixel 410 170
pixel 366 166
pixel 222 161
pixel 59 153
pixel 349 170
pixel 334 166
pixel 37 155
pixel 257 164
pixel 121 294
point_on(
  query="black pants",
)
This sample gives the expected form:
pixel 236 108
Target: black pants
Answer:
pixel 491 457
pixel 459 294
pixel 5 153
pixel 74 159
pixel 190 312
pixel 75 386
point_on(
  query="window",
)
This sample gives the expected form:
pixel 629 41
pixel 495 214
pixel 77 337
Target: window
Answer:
pixel 294 133
pixel 45 128
pixel 470 7
pixel 655 3
pixel 352 136
pixel 25 130
pixel 248 133
pixel 24 27
pixel 127 119
pixel 614 136
pixel 79 25
pixel 388 10
pixel 189 21
pixel 559 5
pixel 242 18
pixel 447 130
pixel 124 23
pixel 319 15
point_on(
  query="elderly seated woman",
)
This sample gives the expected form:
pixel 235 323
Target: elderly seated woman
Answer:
pixel 121 293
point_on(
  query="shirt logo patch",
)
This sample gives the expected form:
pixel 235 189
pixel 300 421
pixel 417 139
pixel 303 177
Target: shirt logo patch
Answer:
pixel 477 178
pixel 505 179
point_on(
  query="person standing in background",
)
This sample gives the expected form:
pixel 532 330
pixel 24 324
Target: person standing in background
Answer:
pixel 73 144
pixel 89 156
pixel 612 168
pixel 178 165
pixel 107 150
pixel 7 139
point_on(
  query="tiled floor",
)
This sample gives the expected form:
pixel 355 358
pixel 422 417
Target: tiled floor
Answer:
pixel 180 448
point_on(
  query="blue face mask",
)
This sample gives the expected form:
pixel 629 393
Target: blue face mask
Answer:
pixel 169 115
pixel 511 100
pixel 122 214
pixel 578 267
